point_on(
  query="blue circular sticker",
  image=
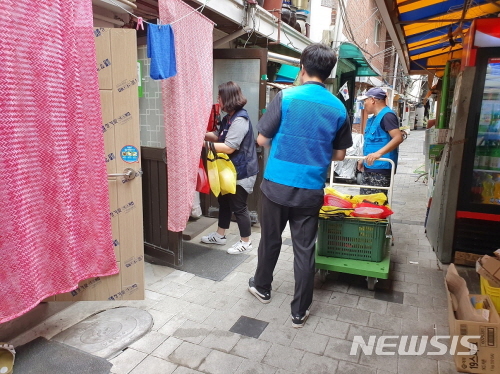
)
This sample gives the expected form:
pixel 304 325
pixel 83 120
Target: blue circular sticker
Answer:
pixel 129 154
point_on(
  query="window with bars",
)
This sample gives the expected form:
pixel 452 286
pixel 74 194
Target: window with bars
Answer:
pixel 328 3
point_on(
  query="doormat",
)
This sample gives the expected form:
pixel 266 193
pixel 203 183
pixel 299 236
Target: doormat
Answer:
pixel 45 356
pixel 209 263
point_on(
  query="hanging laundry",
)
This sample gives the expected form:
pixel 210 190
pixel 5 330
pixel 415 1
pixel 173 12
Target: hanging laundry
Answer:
pixel 187 101
pixel 161 51
pixel 55 224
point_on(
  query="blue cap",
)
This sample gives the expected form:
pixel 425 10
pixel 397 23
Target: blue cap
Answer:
pixel 375 92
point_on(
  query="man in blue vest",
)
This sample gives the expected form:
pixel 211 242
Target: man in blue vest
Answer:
pixel 381 140
pixel 305 127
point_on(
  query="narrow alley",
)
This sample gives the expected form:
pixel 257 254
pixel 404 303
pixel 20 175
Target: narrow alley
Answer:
pixel 149 146
pixel 194 318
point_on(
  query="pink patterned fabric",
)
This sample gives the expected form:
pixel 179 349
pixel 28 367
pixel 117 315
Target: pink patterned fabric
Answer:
pixel 55 228
pixel 187 101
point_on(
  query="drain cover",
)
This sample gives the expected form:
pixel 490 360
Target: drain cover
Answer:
pixel 108 332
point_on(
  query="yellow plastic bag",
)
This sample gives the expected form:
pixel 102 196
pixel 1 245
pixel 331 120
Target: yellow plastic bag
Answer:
pixel 227 174
pixel 221 172
pixel 375 198
pixel 213 173
pixel 331 211
pixel 332 191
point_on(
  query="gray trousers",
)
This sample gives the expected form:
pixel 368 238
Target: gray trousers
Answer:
pixel 304 228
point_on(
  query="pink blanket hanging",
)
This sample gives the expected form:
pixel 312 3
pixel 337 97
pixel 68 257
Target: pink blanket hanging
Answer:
pixel 187 101
pixel 55 227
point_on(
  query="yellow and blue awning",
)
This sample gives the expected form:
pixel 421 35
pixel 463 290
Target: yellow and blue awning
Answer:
pixel 431 32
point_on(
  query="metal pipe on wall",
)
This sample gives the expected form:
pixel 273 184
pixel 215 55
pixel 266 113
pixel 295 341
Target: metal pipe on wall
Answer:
pixel 129 3
pixel 442 119
pixel 229 37
pixel 394 81
pixel 282 59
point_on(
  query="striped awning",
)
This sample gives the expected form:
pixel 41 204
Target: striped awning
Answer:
pixel 431 32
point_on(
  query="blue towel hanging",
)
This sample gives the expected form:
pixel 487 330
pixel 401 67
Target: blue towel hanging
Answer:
pixel 161 51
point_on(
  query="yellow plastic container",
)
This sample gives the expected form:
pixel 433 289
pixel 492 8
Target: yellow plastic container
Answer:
pixel 492 292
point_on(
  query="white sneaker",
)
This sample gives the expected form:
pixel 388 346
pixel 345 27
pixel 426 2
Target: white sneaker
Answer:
pixel 214 238
pixel 240 247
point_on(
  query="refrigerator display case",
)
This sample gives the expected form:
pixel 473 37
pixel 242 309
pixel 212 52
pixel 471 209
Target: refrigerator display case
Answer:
pixel 464 217
pixel 486 167
pixel 478 206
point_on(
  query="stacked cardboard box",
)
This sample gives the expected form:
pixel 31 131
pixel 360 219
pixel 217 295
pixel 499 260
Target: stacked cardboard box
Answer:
pixel 489 268
pixel 466 258
pixel 435 150
pixel 479 328
pixel 438 136
pixel 437 140
pixel 116 59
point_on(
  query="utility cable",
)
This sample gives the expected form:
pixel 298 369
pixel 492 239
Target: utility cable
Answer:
pixel 202 7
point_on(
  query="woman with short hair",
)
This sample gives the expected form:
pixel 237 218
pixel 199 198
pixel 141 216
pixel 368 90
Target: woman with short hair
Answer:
pixel 234 136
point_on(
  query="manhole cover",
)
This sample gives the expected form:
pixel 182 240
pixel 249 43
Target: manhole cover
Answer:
pixel 108 332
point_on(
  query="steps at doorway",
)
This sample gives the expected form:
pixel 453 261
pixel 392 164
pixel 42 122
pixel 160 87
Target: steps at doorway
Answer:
pixel 196 227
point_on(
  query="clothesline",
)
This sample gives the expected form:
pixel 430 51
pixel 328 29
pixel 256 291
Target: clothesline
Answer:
pixel 202 7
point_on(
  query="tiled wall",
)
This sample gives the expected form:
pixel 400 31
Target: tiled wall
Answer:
pixel 150 106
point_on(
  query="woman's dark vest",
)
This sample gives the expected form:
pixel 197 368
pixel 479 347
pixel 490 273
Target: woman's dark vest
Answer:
pixel 245 158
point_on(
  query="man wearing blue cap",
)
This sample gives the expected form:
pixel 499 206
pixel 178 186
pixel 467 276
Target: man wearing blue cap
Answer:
pixel 381 140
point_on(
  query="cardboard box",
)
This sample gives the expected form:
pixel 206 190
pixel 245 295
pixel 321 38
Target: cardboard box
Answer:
pixel 116 53
pixel 466 259
pixel 103 57
pixel 489 268
pixel 435 150
pixel 433 168
pixel 486 358
pixel 438 136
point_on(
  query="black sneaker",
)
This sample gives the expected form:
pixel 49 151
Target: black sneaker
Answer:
pixel 298 321
pixel 263 297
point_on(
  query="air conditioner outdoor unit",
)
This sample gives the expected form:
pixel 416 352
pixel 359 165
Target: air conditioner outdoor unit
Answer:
pixel 328 37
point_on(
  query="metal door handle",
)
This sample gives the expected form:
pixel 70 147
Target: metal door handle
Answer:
pixel 128 174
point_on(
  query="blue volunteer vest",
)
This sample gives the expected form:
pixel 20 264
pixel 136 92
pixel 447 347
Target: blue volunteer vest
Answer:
pixel 376 138
pixel 244 159
pixel 302 149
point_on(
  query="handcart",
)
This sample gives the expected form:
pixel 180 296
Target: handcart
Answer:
pixel 356 246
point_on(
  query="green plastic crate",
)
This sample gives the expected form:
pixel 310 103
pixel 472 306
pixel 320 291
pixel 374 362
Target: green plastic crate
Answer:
pixel 353 239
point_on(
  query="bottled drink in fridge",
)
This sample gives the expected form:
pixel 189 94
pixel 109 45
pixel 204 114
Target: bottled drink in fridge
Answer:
pixel 484 158
pixel 495 159
pixel 496 190
pixel 488 189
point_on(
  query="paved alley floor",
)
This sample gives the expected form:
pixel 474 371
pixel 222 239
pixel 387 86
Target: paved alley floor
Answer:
pixel 193 316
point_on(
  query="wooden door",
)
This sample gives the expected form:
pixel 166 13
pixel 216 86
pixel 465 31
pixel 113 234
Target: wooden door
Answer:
pixel 118 82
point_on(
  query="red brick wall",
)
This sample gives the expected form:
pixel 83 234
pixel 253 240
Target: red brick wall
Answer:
pixel 363 27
